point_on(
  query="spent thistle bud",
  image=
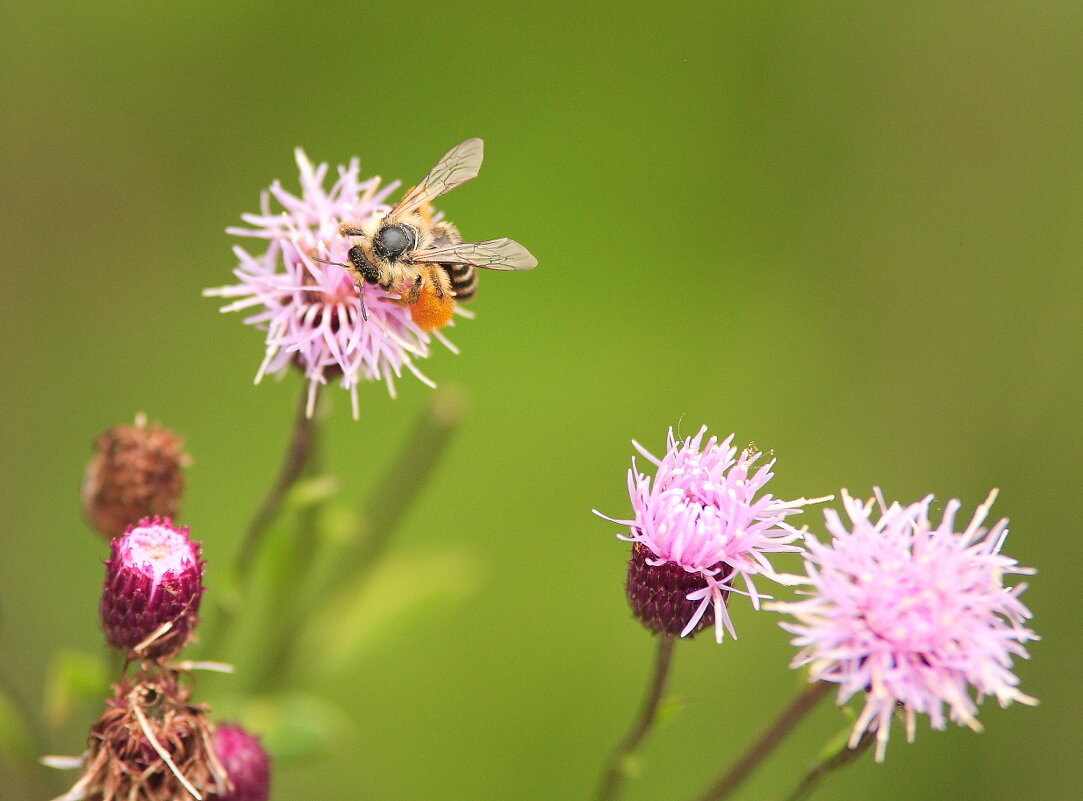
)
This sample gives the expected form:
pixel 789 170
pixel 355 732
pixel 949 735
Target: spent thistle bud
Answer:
pixel 245 762
pixel 135 472
pixel 151 744
pixel 153 584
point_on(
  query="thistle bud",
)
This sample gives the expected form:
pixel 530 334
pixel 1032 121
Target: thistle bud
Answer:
pixel 153 577
pixel 135 472
pixel 659 594
pixel 245 762
pixel 698 525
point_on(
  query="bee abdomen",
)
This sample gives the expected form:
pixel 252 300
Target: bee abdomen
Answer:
pixel 463 279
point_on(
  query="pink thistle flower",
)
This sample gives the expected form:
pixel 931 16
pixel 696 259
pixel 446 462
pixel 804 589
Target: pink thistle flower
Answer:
pixel 245 762
pixel 153 577
pixel 910 615
pixel 312 312
pixel 698 527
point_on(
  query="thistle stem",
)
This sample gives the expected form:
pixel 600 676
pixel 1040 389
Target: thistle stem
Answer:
pixel 408 474
pixel 615 772
pixel 400 486
pixel 837 761
pixel 293 467
pixel 768 741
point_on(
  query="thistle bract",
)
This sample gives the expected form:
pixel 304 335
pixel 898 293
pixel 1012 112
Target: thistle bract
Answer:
pixel 135 472
pixel 153 585
pixel 245 762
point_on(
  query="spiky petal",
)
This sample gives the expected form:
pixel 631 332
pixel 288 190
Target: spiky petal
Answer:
pixel 703 515
pixel 910 616
pixel 312 312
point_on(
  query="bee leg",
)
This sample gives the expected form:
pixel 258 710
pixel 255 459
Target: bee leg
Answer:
pixel 411 295
pixel 366 269
pixel 438 288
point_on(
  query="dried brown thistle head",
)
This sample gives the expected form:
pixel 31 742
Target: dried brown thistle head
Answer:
pixel 135 472
pixel 151 744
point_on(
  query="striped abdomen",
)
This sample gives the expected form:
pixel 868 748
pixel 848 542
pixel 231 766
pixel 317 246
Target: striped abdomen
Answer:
pixel 463 277
pixel 464 280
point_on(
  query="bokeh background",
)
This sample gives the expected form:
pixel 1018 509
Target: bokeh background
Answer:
pixel 847 231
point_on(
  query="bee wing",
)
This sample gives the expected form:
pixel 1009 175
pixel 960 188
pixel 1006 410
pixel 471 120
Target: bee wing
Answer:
pixel 459 165
pixel 492 254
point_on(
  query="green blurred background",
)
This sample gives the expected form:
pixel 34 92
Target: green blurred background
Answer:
pixel 847 231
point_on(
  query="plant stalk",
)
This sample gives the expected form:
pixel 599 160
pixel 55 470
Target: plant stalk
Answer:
pixel 774 734
pixel 615 773
pixel 830 765
pixel 293 467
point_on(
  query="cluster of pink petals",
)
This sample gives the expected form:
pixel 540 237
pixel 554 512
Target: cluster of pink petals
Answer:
pixel 702 513
pixel 312 311
pixel 911 615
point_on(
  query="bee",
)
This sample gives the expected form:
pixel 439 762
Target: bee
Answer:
pixel 427 264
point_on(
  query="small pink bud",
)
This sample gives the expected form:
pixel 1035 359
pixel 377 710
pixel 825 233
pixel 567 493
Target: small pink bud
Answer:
pixel 154 576
pixel 245 762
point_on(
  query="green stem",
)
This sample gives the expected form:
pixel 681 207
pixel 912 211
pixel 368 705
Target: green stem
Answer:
pixel 400 486
pixel 300 450
pixel 395 492
pixel 286 607
pixel 833 763
pixel 767 742
pixel 298 457
pixel 615 772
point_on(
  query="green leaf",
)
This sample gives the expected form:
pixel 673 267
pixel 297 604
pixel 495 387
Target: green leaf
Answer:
pixel 835 744
pixel 16 741
pixel 400 588
pixel 669 708
pixel 311 492
pixel 73 677
pixel 631 766
pixel 295 725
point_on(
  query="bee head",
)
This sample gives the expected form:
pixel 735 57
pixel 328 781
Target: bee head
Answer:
pixel 392 241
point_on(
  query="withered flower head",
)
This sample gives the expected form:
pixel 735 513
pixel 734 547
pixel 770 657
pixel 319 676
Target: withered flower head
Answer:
pixel 151 744
pixel 135 472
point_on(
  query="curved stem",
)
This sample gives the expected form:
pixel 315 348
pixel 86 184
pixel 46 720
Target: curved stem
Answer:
pixel 300 449
pixel 833 763
pixel 615 773
pixel 393 496
pixel 402 483
pixel 767 742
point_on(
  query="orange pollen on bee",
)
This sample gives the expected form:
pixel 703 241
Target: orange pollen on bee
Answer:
pixel 432 312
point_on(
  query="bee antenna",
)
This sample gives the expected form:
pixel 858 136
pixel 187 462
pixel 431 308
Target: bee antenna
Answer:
pixel 360 289
pixel 351 231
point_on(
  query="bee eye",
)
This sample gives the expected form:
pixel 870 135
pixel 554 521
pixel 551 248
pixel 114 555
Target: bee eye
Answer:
pixel 392 241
